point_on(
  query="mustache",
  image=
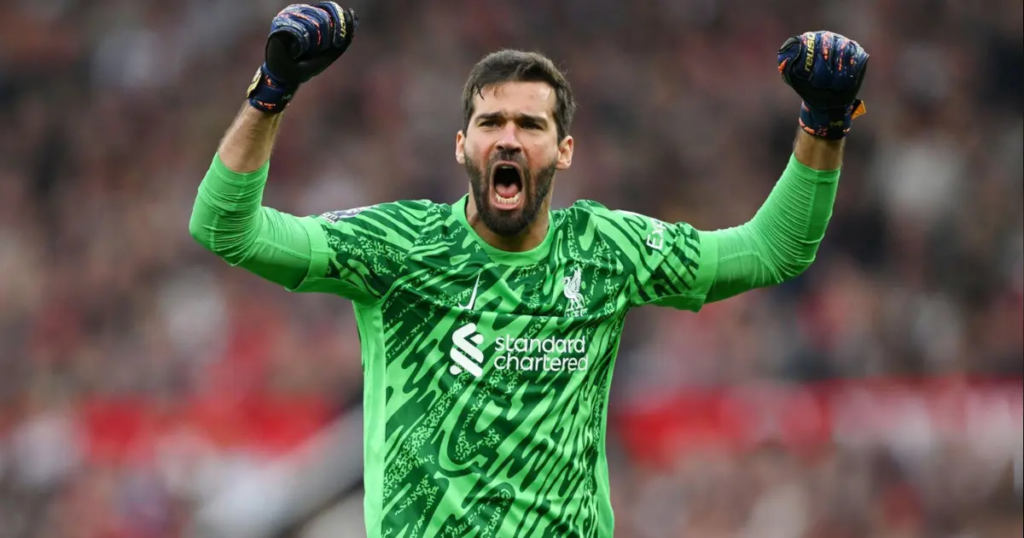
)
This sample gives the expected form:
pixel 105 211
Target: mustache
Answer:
pixel 508 156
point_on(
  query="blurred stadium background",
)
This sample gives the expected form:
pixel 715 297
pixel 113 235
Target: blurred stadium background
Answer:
pixel 147 390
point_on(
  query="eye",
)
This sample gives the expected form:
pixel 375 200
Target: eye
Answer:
pixel 488 123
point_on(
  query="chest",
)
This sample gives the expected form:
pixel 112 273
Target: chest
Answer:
pixel 561 285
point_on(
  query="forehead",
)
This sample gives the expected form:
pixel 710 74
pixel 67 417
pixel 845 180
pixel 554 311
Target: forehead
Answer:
pixel 532 98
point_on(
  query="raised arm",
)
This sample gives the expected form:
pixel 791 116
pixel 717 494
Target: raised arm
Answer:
pixel 228 217
pixel 782 239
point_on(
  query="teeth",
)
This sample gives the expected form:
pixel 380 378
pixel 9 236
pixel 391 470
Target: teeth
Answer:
pixel 507 201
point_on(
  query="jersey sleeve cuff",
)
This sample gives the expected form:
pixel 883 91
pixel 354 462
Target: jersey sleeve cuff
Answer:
pixel 318 254
pixel 806 173
pixel 236 179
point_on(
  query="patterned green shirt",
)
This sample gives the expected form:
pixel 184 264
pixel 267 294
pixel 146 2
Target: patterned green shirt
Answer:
pixel 487 372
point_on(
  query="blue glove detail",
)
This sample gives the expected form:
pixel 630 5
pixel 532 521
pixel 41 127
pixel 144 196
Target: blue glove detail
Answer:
pixel 268 93
pixel 826 70
pixel 304 40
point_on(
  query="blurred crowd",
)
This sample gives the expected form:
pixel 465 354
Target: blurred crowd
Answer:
pixel 832 493
pixel 843 459
pixel 132 359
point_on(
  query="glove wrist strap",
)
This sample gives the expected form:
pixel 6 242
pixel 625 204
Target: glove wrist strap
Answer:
pixel 268 93
pixel 831 123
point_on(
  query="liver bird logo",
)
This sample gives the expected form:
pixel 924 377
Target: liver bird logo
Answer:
pixel 571 289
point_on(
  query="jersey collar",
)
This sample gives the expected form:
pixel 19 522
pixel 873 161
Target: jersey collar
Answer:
pixel 505 257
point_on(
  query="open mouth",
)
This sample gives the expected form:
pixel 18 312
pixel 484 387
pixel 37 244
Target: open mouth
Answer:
pixel 507 180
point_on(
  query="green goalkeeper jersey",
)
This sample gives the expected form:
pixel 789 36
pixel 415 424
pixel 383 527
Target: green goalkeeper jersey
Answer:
pixel 486 372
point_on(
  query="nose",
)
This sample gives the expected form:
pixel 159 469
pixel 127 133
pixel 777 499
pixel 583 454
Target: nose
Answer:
pixel 509 142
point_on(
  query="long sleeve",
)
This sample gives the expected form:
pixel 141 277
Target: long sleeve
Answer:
pixel 229 220
pixel 782 239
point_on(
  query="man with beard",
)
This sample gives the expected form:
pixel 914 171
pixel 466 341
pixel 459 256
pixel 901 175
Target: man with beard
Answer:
pixel 489 326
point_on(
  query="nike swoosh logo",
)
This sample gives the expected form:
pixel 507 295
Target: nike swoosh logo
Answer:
pixel 472 298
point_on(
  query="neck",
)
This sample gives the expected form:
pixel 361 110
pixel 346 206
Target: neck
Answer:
pixel 529 239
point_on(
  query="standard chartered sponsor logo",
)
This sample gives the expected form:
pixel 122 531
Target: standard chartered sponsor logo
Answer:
pixel 541 354
pixel 466 341
pixel 550 354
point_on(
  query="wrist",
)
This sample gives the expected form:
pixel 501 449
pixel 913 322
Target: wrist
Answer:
pixel 248 143
pixel 268 93
pixel 817 153
pixel 829 122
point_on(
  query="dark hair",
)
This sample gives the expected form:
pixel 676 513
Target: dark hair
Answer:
pixel 518 66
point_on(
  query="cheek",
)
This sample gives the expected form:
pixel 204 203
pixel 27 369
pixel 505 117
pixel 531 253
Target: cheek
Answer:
pixel 472 150
pixel 542 154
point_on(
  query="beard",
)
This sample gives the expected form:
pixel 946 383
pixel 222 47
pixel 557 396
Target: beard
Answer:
pixel 535 189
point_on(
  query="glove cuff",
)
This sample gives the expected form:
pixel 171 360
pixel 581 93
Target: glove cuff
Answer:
pixel 831 123
pixel 268 93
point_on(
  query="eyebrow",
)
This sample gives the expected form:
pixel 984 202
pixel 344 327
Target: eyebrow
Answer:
pixel 540 120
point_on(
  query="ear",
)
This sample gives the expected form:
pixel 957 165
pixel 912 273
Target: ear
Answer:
pixel 565 153
pixel 460 147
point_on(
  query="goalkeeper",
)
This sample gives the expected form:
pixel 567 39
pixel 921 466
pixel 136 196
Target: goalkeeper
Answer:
pixel 489 326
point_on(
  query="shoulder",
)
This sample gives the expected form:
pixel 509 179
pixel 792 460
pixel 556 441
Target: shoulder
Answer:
pixel 624 228
pixel 584 210
pixel 589 213
pixel 403 211
pixel 401 223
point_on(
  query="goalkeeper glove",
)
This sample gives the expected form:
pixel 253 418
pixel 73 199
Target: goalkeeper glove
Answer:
pixel 826 70
pixel 304 40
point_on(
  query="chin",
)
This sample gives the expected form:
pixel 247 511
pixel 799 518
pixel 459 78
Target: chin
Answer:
pixel 508 196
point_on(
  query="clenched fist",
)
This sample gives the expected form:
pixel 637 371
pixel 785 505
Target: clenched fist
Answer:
pixel 304 40
pixel 826 70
